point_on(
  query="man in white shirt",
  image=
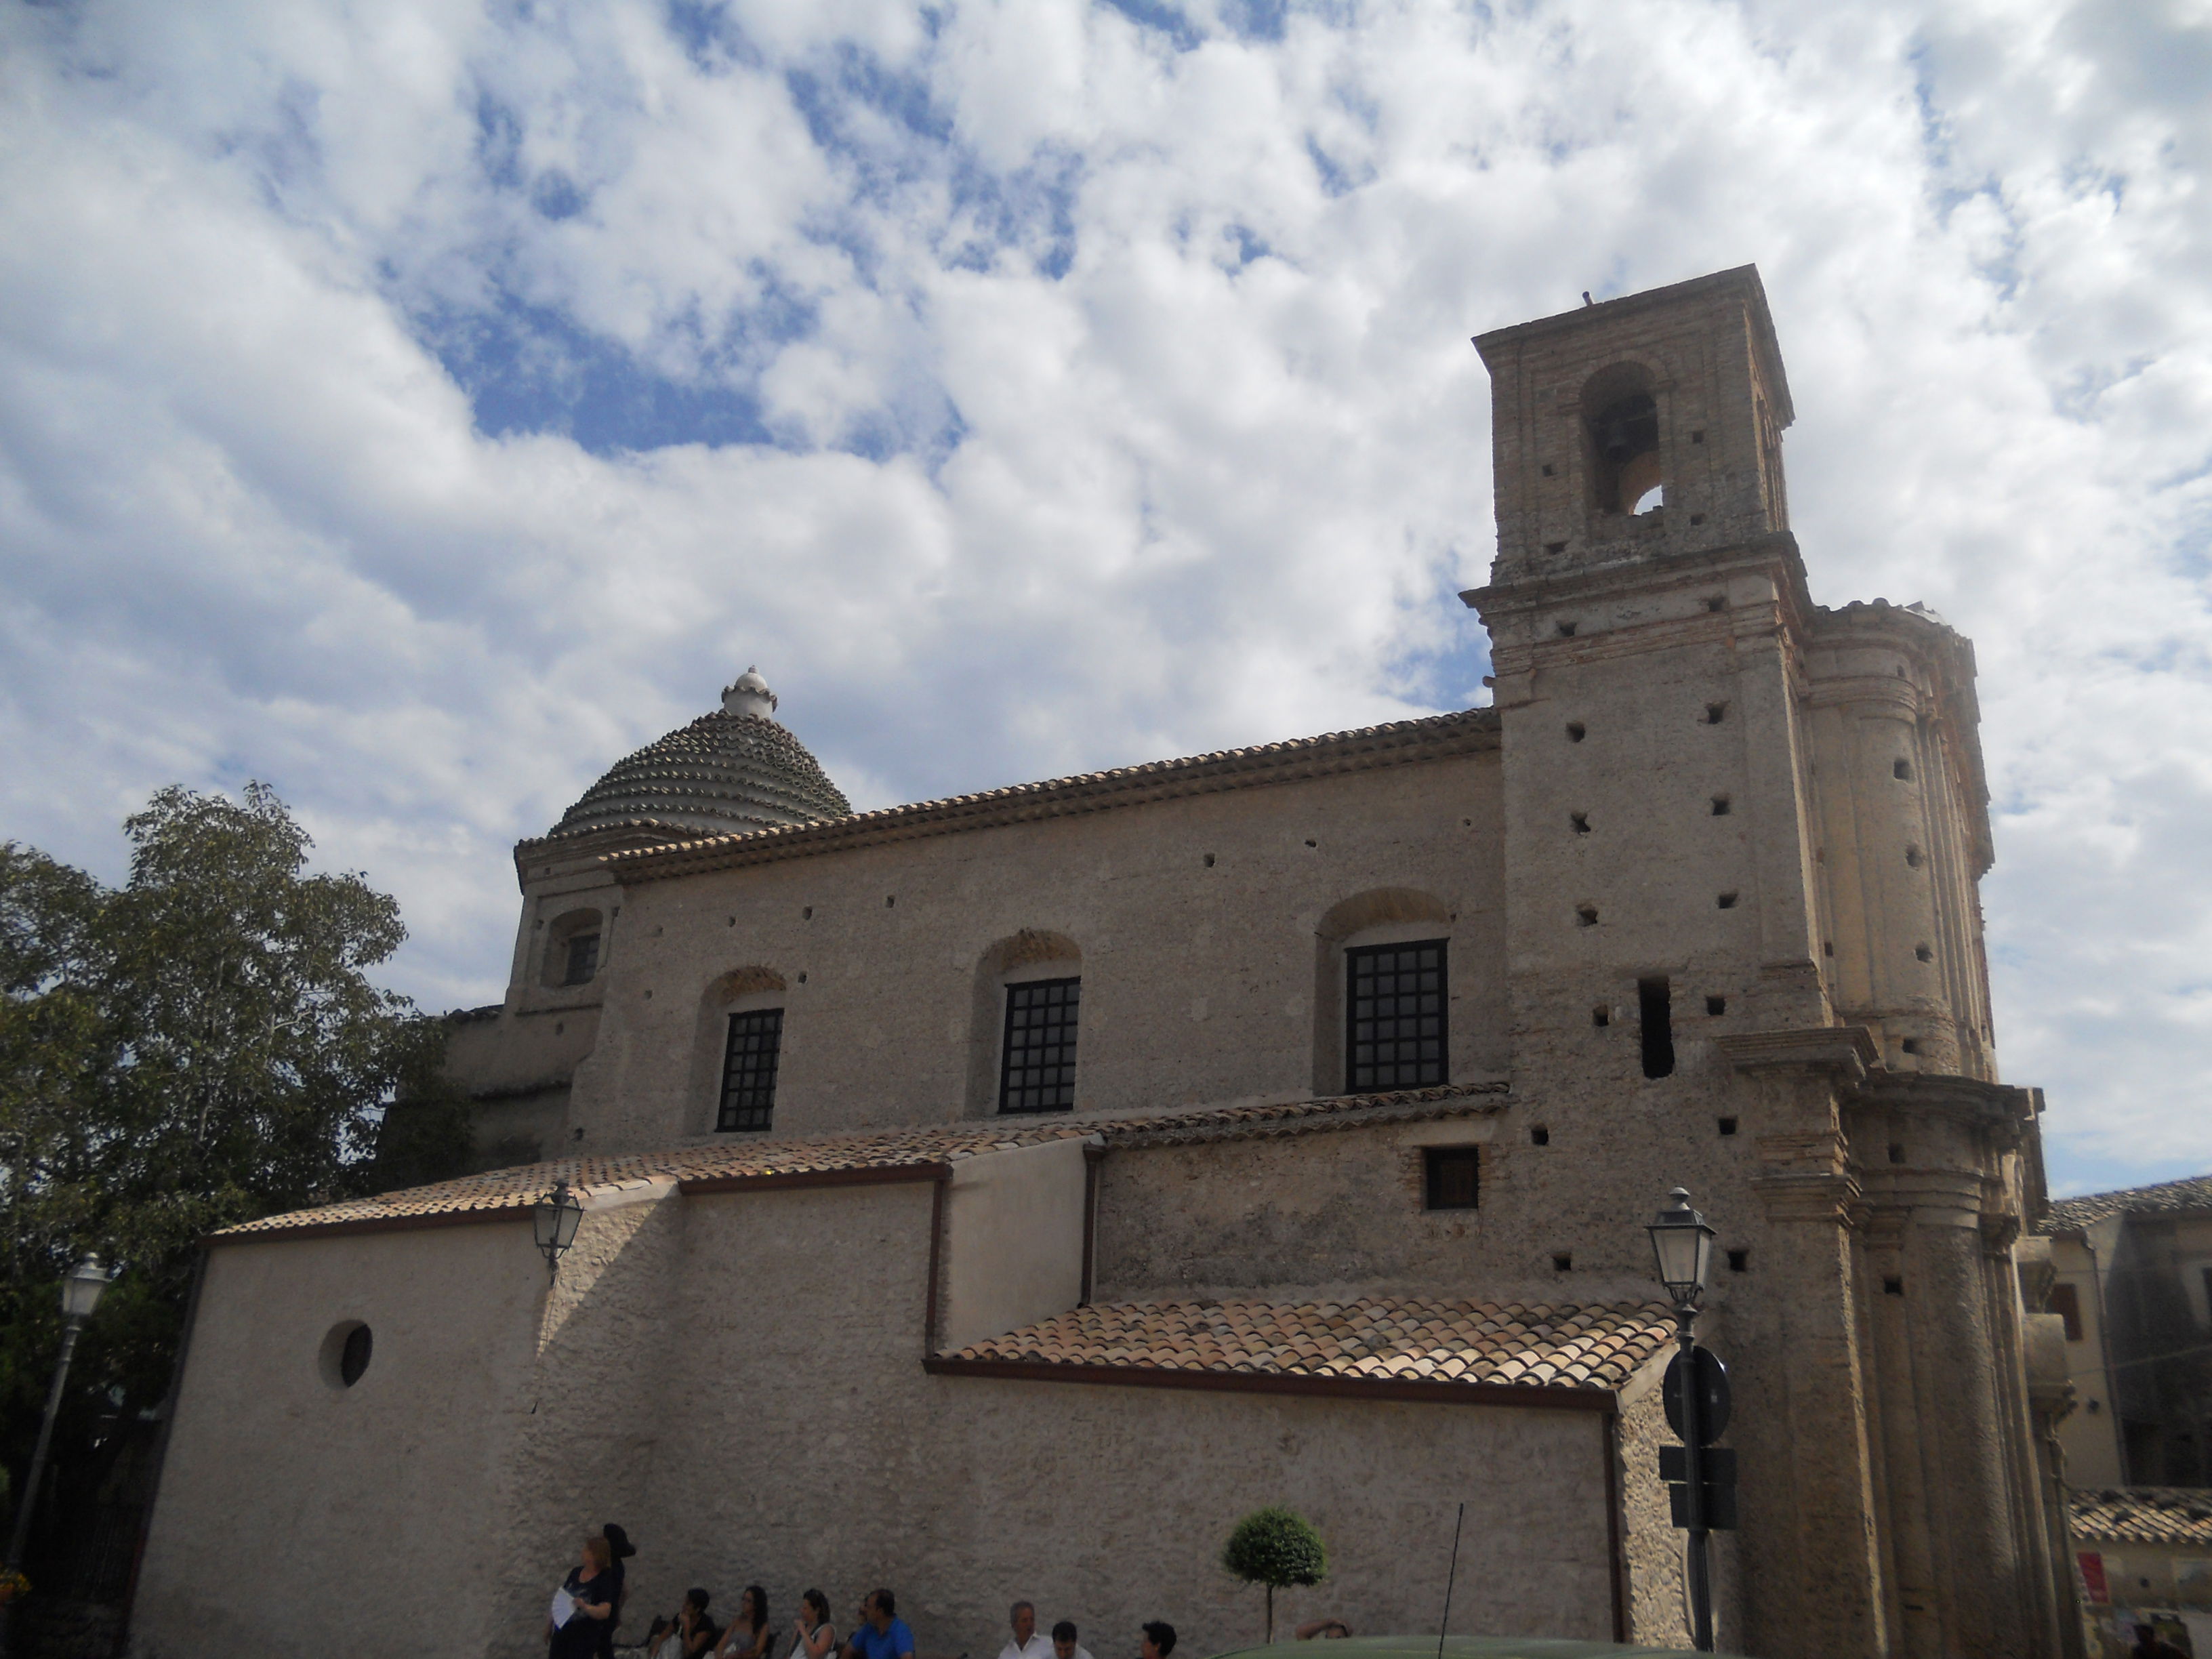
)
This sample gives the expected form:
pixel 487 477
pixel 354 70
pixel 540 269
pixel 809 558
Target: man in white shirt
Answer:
pixel 1063 1644
pixel 1027 1644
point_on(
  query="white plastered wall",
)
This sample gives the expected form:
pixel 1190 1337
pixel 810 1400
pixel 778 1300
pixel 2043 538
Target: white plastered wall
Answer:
pixel 289 1503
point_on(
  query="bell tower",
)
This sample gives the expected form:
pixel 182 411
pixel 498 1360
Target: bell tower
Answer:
pixel 1741 835
pixel 1647 615
pixel 1645 427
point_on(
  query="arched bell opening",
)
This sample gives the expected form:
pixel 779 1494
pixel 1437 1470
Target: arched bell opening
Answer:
pixel 1621 416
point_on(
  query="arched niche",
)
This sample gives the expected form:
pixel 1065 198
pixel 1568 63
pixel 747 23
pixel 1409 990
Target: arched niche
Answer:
pixel 1033 954
pixel 751 990
pixel 1620 428
pixel 1381 915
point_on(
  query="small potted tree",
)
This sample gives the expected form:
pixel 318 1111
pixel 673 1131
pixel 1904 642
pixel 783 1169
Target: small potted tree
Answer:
pixel 1277 1547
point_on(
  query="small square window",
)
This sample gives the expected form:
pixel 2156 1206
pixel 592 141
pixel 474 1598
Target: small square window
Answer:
pixel 749 1066
pixel 583 959
pixel 1395 1025
pixel 1452 1177
pixel 1036 1066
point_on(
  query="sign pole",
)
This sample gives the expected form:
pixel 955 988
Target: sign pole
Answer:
pixel 1693 1461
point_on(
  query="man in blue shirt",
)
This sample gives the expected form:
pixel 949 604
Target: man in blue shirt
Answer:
pixel 882 1633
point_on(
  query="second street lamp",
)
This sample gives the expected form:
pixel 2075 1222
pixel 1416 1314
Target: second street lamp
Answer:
pixel 81 1291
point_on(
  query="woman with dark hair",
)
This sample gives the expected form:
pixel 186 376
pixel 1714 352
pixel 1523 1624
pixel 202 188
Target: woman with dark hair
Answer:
pixel 688 1635
pixel 812 1637
pixel 748 1636
pixel 584 1607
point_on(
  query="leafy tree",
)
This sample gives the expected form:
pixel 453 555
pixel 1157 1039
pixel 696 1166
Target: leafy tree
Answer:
pixel 1277 1547
pixel 197 1048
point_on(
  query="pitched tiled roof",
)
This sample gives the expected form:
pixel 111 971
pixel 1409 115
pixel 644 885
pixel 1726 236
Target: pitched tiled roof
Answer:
pixel 2143 1515
pixel 498 1191
pixel 723 772
pixel 1402 1340
pixel 2168 1197
pixel 1436 738
pixel 1304 1117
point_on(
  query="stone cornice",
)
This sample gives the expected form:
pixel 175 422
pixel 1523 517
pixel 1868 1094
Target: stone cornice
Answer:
pixel 1848 1049
pixel 1998 1108
pixel 1639 571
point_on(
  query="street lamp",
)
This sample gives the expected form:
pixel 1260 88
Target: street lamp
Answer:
pixel 1702 1478
pixel 81 1291
pixel 1683 1241
pixel 555 1221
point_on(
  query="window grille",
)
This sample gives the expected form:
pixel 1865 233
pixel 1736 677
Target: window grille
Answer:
pixel 748 1070
pixel 1036 1066
pixel 1452 1177
pixel 583 959
pixel 1394 1035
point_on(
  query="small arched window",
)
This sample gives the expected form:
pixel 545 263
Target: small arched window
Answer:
pixel 741 1038
pixel 1028 1015
pixel 1382 992
pixel 573 949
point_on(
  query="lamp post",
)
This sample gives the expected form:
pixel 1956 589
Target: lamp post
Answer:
pixel 81 1291
pixel 555 1221
pixel 1682 1242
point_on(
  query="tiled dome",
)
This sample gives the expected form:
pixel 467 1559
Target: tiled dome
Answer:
pixel 727 773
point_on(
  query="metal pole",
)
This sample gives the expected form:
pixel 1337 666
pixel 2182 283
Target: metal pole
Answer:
pixel 22 1535
pixel 1693 1465
pixel 1449 1581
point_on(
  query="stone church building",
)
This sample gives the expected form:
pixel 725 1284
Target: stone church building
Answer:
pixel 1000 1196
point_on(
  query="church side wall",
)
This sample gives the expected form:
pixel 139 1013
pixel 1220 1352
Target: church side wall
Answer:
pixel 299 1516
pixel 794 1440
pixel 1199 980
pixel 1315 1215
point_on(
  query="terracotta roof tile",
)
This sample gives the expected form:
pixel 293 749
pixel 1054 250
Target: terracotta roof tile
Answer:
pixel 498 1190
pixel 2168 1197
pixel 2143 1515
pixel 1472 1342
pixel 723 772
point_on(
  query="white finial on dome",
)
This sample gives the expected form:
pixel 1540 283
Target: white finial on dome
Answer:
pixel 750 695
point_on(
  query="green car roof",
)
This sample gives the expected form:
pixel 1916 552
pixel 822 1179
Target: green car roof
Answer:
pixel 1455 1647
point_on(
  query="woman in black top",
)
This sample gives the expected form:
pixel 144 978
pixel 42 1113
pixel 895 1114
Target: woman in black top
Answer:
pixel 619 1550
pixel 689 1635
pixel 590 1588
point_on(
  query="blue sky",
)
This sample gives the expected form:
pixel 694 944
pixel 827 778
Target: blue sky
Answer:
pixel 418 406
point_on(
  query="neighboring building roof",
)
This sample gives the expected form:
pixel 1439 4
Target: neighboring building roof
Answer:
pixel 2143 1515
pixel 882 1154
pixel 2168 1197
pixel 1379 1340
pixel 737 770
pixel 1439 737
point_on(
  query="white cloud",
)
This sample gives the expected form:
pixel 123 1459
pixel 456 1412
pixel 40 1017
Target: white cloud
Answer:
pixel 1081 391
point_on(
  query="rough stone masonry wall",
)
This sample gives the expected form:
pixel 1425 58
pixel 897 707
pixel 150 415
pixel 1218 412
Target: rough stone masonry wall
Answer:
pixel 1202 981
pixel 802 1445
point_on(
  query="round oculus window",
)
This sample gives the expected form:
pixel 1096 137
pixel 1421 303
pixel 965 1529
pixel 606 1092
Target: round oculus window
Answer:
pixel 346 1352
